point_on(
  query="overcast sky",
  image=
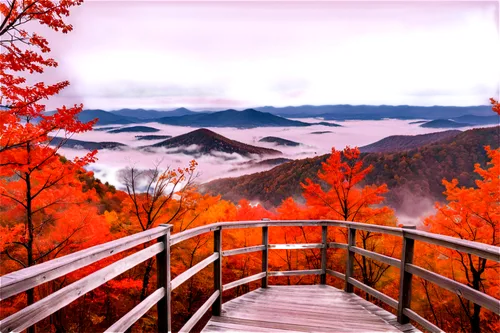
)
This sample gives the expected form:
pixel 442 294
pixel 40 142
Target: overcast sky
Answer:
pixel 163 54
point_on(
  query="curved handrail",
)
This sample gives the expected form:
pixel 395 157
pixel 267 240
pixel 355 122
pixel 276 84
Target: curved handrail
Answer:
pixel 482 250
pixel 479 249
pixel 22 280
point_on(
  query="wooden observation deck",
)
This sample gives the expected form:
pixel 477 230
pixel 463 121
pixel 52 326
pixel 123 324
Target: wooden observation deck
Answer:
pixel 314 308
pixel 303 308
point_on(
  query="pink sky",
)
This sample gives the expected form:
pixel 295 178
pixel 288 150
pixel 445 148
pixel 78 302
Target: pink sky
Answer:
pixel 164 54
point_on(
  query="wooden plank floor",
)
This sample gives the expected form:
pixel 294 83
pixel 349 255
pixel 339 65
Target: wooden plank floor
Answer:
pixel 315 308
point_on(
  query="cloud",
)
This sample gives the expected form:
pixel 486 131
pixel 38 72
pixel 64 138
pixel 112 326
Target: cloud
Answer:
pixel 290 88
pixel 479 89
pixel 131 89
pixel 286 85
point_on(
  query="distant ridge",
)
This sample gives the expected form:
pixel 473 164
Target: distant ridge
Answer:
pixel 105 118
pixel 205 141
pixel 88 145
pixel 443 123
pixel 152 137
pixel 462 121
pixel 279 141
pixel 179 112
pixel 374 112
pixel 231 118
pixel 396 143
pixel 151 114
pixel 263 116
pixel 134 129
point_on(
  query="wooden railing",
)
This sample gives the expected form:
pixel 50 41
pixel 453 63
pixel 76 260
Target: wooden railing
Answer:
pixel 22 280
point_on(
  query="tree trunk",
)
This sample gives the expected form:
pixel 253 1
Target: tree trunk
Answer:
pixel 145 279
pixel 475 320
pixel 30 293
pixel 364 271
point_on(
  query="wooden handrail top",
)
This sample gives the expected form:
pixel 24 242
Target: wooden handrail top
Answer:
pixel 33 313
pixel 482 250
pixel 24 279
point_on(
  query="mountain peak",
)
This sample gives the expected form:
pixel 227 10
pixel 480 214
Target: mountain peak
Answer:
pixel 203 132
pixel 180 109
pixel 207 141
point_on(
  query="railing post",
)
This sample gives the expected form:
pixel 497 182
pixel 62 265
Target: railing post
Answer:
pixel 405 277
pixel 217 306
pixel 265 254
pixel 349 268
pixel 324 236
pixel 163 281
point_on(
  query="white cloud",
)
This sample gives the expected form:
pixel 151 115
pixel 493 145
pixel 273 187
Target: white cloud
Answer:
pixel 224 54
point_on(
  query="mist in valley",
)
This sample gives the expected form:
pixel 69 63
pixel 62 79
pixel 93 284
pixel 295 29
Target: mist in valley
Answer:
pixel 217 164
pixel 111 162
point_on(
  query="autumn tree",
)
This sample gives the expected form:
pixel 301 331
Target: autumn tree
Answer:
pixel 34 178
pixel 471 213
pixel 155 196
pixel 341 196
pixel 23 53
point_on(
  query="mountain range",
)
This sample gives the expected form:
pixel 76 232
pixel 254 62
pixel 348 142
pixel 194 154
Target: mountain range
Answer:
pixel 230 118
pixel 152 114
pixel 374 112
pixel 271 116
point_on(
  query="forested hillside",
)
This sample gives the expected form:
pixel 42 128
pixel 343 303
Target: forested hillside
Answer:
pixel 416 173
pixel 397 143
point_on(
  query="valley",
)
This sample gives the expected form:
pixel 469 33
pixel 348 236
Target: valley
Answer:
pixel 413 176
pixel 266 164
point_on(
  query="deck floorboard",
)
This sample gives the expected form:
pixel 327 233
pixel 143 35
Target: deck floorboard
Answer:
pixel 316 308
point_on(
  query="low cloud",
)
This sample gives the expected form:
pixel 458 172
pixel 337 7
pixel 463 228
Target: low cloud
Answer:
pixel 217 164
pixel 414 208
